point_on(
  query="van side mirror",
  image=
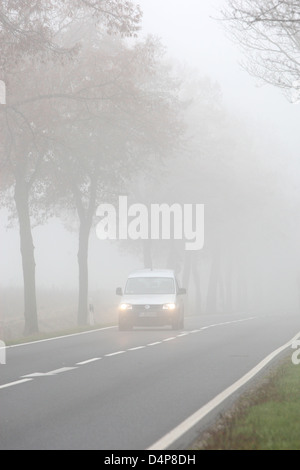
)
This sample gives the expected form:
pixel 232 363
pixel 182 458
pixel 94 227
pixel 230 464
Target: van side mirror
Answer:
pixel 119 291
pixel 182 291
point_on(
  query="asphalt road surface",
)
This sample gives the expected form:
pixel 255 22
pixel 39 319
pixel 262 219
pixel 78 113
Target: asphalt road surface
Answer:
pixel 112 390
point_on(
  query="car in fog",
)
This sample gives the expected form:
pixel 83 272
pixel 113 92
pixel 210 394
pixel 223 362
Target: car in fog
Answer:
pixel 151 298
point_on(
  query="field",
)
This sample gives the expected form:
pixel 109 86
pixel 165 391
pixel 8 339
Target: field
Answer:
pixel 56 310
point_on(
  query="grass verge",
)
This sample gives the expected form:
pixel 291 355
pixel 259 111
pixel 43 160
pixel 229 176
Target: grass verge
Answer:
pixel 265 418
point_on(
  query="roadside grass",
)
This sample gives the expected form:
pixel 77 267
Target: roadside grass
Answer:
pixel 265 418
pixel 56 334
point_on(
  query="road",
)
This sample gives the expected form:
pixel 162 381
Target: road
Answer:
pixel 114 390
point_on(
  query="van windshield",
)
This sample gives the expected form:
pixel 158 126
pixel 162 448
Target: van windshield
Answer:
pixel 150 285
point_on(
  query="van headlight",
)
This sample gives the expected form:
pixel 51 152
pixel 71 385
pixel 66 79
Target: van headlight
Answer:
pixel 125 307
pixel 169 307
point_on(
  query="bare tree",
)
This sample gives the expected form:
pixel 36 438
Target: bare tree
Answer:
pixel 31 27
pixel 31 37
pixel 127 122
pixel 269 33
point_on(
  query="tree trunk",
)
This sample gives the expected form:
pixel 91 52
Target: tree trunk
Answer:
pixel 84 234
pixel 27 253
pixel 212 294
pixel 196 276
pixel 186 276
pixel 174 258
pixel 242 301
pixel 187 269
pixel 228 287
pixel 147 254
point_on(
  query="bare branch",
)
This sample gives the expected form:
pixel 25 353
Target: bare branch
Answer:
pixel 269 33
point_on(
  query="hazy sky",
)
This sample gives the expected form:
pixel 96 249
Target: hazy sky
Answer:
pixel 194 38
pixel 193 35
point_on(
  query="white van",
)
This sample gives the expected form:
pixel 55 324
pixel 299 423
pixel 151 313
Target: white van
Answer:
pixel 151 298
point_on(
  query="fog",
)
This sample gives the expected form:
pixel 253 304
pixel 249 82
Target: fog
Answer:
pixel 239 157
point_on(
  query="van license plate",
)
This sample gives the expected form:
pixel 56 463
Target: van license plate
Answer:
pixel 148 314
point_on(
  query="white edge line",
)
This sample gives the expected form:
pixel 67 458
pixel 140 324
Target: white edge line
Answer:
pixel 60 337
pixel 169 439
pixel 12 384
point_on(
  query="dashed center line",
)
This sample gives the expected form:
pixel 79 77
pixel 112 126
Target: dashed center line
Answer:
pixel 115 354
pixel 28 378
pixel 49 374
pixel 90 361
pixel 62 370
